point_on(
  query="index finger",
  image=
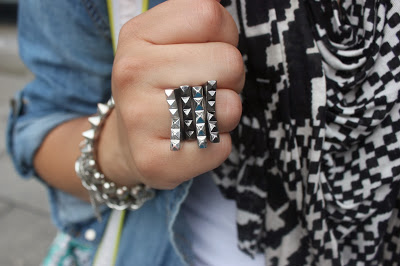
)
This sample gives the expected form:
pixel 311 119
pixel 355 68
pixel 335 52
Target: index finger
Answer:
pixel 182 21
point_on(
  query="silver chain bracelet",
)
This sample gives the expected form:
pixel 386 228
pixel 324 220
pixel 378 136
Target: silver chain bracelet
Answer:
pixel 101 190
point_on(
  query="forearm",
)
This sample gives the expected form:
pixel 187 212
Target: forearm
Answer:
pixel 54 161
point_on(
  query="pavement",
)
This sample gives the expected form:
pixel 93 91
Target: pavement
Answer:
pixel 26 230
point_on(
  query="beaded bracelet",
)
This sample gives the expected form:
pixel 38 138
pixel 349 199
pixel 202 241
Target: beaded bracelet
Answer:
pixel 100 189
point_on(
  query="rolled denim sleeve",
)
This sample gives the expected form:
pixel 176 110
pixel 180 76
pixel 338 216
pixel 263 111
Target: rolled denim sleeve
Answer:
pixel 67 46
pixel 26 133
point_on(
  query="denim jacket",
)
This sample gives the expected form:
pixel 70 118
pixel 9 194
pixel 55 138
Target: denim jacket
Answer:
pixel 67 46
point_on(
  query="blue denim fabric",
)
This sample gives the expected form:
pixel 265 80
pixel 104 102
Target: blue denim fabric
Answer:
pixel 153 234
pixel 67 45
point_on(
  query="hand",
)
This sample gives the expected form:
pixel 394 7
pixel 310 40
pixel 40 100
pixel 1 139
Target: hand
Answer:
pixel 179 42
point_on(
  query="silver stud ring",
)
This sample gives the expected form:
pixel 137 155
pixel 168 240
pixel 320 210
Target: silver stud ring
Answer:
pixel 193 114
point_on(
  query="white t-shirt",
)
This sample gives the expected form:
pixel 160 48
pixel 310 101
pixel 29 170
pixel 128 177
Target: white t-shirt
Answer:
pixel 212 219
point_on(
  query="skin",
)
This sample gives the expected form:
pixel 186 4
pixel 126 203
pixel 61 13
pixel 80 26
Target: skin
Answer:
pixel 178 42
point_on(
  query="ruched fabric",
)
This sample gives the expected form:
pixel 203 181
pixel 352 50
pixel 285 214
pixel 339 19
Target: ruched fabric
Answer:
pixel 316 166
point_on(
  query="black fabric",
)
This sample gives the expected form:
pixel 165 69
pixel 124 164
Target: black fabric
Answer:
pixel 316 162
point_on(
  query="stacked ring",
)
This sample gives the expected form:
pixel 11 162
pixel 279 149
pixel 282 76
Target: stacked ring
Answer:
pixel 175 120
pixel 193 115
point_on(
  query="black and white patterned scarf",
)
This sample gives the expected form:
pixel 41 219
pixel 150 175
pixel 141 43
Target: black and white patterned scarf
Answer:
pixel 316 166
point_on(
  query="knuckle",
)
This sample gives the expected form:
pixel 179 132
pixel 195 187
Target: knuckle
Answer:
pixel 234 65
pixel 129 30
pixel 126 70
pixel 235 60
pixel 227 148
pixel 209 14
pixel 235 110
pixel 231 106
pixel 124 31
pixel 233 29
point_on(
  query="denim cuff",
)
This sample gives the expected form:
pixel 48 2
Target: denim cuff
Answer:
pixel 25 133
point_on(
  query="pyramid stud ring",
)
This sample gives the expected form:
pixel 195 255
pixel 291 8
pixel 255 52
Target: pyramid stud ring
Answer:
pixel 193 114
pixel 211 93
pixel 175 120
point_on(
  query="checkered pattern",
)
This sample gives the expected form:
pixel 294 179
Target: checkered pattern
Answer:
pixel 316 165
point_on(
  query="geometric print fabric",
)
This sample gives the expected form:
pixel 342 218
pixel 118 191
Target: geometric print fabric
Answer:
pixel 316 164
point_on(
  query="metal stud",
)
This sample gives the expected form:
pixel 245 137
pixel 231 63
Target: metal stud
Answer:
pixel 94 120
pixel 198 100
pixel 187 112
pixel 175 119
pixel 111 102
pixel 100 190
pixel 89 134
pixel 211 93
pixel 102 109
pixel 87 149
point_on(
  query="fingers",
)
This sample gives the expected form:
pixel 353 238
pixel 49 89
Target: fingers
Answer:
pixel 144 78
pixel 179 42
pixel 169 66
pixel 195 21
pixel 149 132
pixel 164 169
pixel 156 122
pixel 195 64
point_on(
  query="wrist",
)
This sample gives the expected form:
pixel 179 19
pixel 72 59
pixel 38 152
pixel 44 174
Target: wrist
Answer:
pixel 112 155
pixel 101 188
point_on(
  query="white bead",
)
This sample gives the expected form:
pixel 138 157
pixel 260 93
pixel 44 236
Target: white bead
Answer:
pixel 90 235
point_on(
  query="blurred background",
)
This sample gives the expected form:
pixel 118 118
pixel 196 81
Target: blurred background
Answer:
pixel 25 227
